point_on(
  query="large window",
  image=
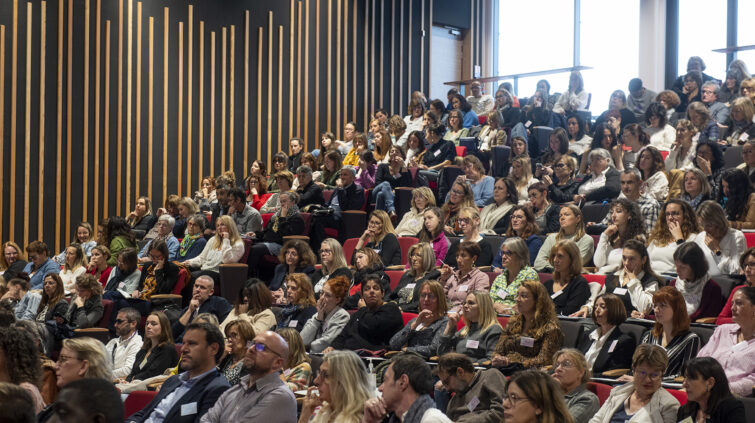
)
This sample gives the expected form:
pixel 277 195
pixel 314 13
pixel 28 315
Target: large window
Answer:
pixel 702 28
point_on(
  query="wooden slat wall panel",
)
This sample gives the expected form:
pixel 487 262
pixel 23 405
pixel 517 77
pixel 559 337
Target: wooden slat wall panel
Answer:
pixel 375 58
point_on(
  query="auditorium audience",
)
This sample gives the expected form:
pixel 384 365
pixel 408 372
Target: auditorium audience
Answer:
pixel 118 236
pixel 439 153
pixel 238 334
pixel 421 268
pixel 521 173
pixel 546 213
pixel 481 184
pixel 604 137
pixel 84 237
pixel 671 331
pixel 12 261
pixel 662 134
pixel 332 162
pixel 301 302
pixel 558 145
pixel 602 183
pixel 39 264
pixel 309 193
pixel 284 222
pixel 568 289
pixel 732 344
pixel 332 264
pixel 373 325
pixel 479 335
pixel 284 180
pixel 742 127
pixel 572 372
pixel 469 223
pixel 381 237
pixel 225 246
pixel 297 371
pixel 422 334
pixel 82 358
pixel 626 223
pixel 432 233
pixel 323 327
pixel 515 261
pixel 458 102
pixel 721 244
pixel 677 224
pixel 455 129
pixel 207 195
pixel 643 399
pixel 531 336
pixel 708 394
pixel 523 225
pixel 202 301
pixel 575 98
pixel 348 196
pixel 702 295
pixel 367 263
pixel 571 227
pixel 579 141
pixel 696 189
pixel 607 347
pixel 343 386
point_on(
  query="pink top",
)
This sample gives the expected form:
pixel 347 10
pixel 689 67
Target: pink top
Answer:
pixel 457 290
pixel 440 248
pixel 737 359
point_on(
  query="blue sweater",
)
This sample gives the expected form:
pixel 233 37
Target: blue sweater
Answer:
pixel 470 119
pixel 171 242
pixel 38 279
pixel 533 244
pixel 483 191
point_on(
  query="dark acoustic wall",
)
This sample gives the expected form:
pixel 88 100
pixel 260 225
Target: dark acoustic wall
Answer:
pixel 103 101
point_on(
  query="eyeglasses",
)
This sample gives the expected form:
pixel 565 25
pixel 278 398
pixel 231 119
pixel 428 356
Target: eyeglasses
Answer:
pixel 514 399
pixel 62 359
pixel 507 253
pixel 750 265
pixel 261 347
pixel 564 364
pixel 119 321
pixel 326 251
pixel 643 374
pixel 465 220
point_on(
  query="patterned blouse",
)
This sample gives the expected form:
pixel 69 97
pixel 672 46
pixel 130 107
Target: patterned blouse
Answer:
pixel 504 293
pixel 232 372
pixel 534 348
pixel 299 377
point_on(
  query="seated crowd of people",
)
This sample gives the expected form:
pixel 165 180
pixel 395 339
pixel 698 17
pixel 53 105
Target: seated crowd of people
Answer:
pixel 635 218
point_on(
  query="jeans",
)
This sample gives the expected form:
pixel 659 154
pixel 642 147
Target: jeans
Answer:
pixel 384 197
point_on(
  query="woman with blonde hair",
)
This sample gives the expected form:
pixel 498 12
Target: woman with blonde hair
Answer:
pixel 333 264
pixel 75 266
pixel 98 264
pixel 142 219
pixel 459 197
pixel 186 208
pixel 572 227
pixel 343 386
pixel 297 371
pixel 86 306
pixel 683 149
pixel 492 134
pixel 84 237
pixel 481 331
pixel 12 260
pixel 421 268
pixel 533 335
pixel 521 173
pixel 572 372
pixel 469 223
pixel 82 358
pixel 742 125
pixel 381 237
pixel 207 194
pixel 533 396
pixel 224 247
pixel 422 334
pixel 412 221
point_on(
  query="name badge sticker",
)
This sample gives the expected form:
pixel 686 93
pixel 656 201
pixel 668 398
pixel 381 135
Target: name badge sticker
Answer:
pixel 527 342
pixel 411 286
pixel 556 294
pixel 189 409
pixel 437 153
pixel 473 404
pixel 473 344
pixel 501 294
pixel 613 345
pixel 293 323
pixel 620 291
pixel 463 288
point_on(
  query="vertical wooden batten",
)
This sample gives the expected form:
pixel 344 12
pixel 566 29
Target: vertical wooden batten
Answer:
pixel 189 99
pixel 138 109
pixel 27 124
pixel 338 67
pixel 166 37
pixel 381 71
pixel 269 89
pixel 97 102
pixel 258 153
pixel 2 120
pixel 366 59
pixel 280 87
pixel 392 107
pixel 41 141
pixel 106 133
pixel 317 67
pixel 13 122
pixel 150 105
pixel 85 135
pixel 328 76
pixel 119 124
pixel 231 98
pixel 223 96
pixel 69 117
pixel 200 118
pixel 292 11
pixel 298 72
pixel 129 90
pixel 246 90
pixel 212 102
pixel 339 129
pixel 306 66
pixel 180 109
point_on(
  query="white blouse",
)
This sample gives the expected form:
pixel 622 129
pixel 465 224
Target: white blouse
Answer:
pixel 661 138
pixel 656 187
pixel 211 258
pixel 732 246
pixel 662 256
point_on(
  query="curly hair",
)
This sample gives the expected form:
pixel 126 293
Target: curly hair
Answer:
pixel 635 226
pixel 661 234
pixel 718 157
pixel 303 250
pixel 739 193
pixel 545 311
pixel 655 155
pixel 599 134
pixel 22 362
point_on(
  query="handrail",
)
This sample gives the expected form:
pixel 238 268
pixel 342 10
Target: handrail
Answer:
pixel 519 75
pixel 732 49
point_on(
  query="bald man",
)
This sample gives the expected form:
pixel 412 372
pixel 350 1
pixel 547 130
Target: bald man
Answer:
pixel 261 396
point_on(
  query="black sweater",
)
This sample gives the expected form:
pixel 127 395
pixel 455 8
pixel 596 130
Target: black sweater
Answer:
pixel 571 298
pixel 291 225
pixel 406 279
pixel 166 278
pixel 383 174
pixel 370 329
pixel 161 358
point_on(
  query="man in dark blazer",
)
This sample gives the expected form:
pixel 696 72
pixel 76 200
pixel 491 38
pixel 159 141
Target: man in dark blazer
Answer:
pixel 202 301
pixel 309 192
pixel 349 196
pixel 186 397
